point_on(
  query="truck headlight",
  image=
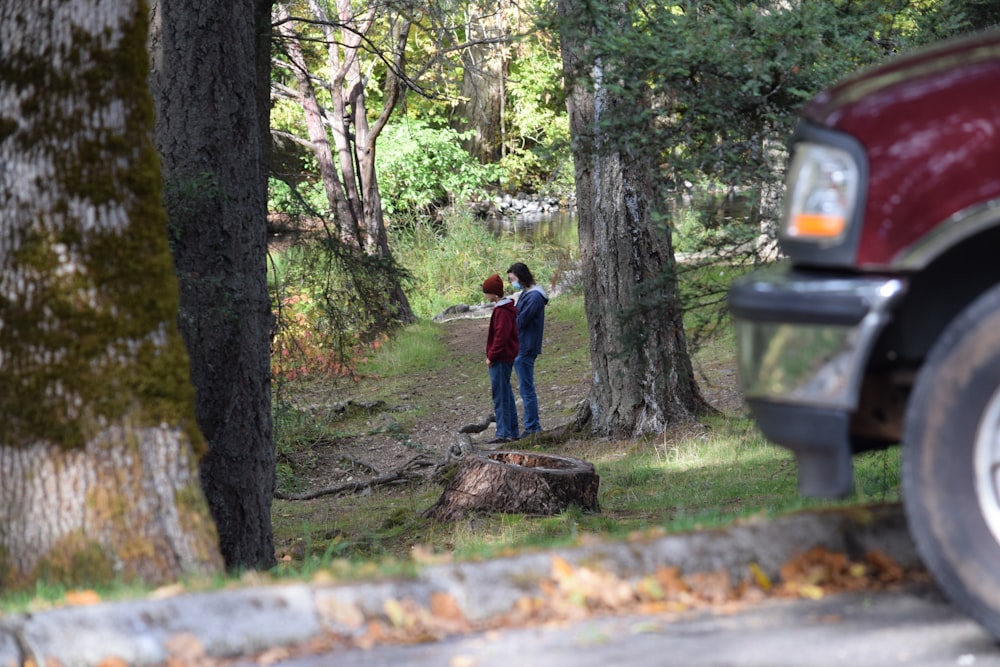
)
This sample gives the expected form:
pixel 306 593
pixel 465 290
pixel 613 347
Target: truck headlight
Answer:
pixel 821 195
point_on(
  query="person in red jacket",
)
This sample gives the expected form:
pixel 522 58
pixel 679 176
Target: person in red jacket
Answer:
pixel 501 350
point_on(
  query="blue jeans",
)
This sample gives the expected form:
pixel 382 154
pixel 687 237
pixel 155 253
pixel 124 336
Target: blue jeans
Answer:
pixel 525 369
pixel 503 400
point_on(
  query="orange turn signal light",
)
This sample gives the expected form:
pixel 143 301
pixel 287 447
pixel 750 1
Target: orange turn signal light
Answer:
pixel 817 225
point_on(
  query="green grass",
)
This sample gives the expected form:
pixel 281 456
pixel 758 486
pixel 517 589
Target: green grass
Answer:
pixel 416 348
pixel 697 481
pixel 448 263
pixel 700 476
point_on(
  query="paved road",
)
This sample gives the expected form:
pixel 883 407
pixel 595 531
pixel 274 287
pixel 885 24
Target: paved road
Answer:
pixel 916 627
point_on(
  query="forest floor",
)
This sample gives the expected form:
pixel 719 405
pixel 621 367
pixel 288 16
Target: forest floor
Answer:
pixel 409 422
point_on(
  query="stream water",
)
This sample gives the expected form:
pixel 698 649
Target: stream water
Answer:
pixel 556 229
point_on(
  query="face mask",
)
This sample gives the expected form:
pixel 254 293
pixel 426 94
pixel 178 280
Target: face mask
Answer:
pixel 516 285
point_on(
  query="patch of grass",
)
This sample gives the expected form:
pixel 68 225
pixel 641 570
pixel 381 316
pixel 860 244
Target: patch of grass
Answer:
pixel 415 348
pixel 448 262
pixel 701 478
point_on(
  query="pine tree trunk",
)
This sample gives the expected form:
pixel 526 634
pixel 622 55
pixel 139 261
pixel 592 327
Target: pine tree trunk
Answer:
pixel 212 139
pixel 97 429
pixel 643 378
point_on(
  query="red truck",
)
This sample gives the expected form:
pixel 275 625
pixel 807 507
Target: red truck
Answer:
pixel 883 325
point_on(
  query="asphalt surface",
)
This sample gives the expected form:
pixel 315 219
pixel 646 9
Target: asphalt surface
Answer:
pixel 248 621
pixel 913 627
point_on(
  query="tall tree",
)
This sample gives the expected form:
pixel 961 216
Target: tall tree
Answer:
pixel 98 438
pixel 211 84
pixel 347 167
pixel 485 66
pixel 643 378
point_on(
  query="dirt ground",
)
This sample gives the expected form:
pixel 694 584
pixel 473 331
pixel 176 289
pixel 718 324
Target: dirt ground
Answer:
pixel 383 425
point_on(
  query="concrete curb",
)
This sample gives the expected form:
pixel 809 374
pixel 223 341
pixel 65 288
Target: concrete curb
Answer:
pixel 239 622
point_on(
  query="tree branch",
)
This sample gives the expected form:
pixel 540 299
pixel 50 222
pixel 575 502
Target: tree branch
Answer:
pixel 402 472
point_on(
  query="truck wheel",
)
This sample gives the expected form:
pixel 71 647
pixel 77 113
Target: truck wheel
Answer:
pixel 951 461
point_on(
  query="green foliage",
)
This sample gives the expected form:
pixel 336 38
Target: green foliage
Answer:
pixel 448 262
pixel 709 88
pixel 537 156
pixel 710 91
pixel 329 302
pixel 933 20
pixel 307 195
pixel 421 167
pixel 714 221
pixel 714 89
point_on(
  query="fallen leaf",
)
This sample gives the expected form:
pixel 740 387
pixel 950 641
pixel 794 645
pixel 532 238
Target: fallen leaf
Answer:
pixel 82 598
pixel 184 646
pixel 760 577
pixel 712 587
pixel 445 606
pixel 113 661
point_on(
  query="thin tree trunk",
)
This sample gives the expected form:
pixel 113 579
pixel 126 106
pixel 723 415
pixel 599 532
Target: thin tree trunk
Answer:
pixel 355 197
pixel 97 430
pixel 210 135
pixel 345 214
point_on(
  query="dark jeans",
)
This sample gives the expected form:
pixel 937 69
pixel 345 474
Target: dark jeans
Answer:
pixel 525 369
pixel 503 400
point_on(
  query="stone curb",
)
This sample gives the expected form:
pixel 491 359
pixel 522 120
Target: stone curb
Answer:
pixel 240 622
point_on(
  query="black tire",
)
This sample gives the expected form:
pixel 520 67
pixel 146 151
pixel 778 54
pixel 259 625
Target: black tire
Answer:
pixel 952 418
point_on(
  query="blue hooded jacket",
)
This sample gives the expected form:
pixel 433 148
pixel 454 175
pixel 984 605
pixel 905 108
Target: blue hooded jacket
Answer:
pixel 531 320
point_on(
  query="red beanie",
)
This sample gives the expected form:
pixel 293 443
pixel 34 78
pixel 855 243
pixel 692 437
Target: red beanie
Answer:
pixel 493 285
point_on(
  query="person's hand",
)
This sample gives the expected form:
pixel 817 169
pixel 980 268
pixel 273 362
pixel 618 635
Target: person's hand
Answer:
pixel 488 362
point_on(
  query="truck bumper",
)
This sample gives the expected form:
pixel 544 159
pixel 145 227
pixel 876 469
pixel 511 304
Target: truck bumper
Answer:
pixel 803 342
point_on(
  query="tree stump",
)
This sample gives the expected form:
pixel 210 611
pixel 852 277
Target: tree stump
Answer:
pixel 517 482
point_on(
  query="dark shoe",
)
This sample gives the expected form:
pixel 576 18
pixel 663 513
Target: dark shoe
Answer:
pixel 498 441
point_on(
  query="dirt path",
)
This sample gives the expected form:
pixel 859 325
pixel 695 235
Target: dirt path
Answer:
pixel 389 422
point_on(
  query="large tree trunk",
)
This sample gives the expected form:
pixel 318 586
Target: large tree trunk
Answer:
pixel 97 430
pixel 643 378
pixel 210 132
pixel 484 79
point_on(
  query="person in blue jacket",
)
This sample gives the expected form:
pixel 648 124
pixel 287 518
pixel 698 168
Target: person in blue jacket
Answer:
pixel 530 328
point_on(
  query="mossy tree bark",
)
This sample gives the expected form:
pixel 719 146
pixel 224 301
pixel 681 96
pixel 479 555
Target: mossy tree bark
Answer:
pixel 97 427
pixel 211 84
pixel 643 377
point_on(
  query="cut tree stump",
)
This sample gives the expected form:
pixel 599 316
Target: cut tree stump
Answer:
pixel 517 482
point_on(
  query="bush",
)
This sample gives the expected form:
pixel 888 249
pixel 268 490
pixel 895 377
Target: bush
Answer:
pixel 421 168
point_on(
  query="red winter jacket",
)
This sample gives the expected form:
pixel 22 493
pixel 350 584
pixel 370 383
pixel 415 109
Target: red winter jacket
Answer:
pixel 501 342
